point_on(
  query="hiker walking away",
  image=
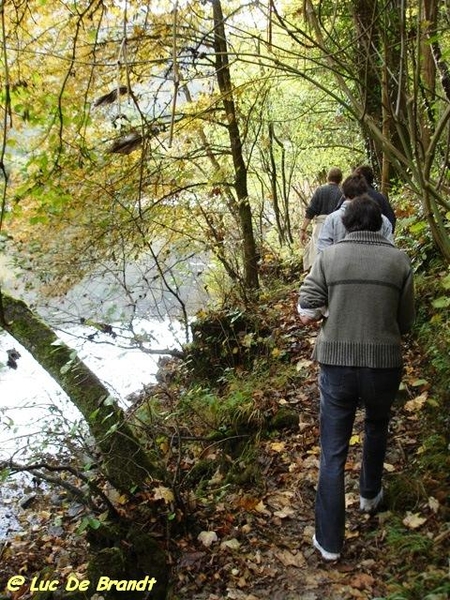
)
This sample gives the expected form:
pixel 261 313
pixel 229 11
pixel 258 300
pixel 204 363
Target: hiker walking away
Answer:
pixel 333 229
pixel 386 209
pixel 323 202
pixel 366 286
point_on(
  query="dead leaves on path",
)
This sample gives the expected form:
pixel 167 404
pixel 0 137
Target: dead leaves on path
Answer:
pixel 254 542
pixel 258 545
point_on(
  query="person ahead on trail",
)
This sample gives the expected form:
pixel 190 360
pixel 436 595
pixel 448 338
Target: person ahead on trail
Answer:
pixel 323 202
pixel 333 229
pixel 386 209
pixel 365 286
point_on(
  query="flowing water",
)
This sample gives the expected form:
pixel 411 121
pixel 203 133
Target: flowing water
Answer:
pixel 35 413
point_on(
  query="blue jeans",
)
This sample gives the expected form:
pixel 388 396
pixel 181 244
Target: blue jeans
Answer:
pixel 342 389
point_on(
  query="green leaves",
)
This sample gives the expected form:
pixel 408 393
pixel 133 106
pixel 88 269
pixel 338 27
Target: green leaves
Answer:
pixel 443 301
pixel 70 363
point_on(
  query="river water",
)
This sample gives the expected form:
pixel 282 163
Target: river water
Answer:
pixel 35 413
pixel 135 308
pixel 31 399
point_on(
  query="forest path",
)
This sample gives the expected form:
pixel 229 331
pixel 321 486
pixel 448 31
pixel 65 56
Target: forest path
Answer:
pixel 254 541
pixel 263 547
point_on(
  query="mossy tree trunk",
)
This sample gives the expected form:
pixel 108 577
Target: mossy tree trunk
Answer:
pixel 126 464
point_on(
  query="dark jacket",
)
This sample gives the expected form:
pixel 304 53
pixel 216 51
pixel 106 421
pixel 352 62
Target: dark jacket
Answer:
pixel 383 202
pixel 324 200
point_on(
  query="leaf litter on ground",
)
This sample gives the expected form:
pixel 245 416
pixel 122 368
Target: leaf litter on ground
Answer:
pixel 254 542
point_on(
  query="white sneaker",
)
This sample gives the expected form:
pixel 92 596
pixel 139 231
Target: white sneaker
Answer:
pixel 370 505
pixel 325 554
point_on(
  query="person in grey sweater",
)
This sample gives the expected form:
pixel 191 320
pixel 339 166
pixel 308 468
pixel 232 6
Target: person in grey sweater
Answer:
pixel 364 286
pixel 333 228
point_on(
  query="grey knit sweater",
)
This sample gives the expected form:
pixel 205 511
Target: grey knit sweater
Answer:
pixel 367 285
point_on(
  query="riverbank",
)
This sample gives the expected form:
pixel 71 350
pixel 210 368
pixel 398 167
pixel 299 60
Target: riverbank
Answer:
pixel 241 524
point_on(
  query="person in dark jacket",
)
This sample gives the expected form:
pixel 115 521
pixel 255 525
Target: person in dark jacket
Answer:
pixel 333 229
pixel 323 202
pixel 363 285
pixel 386 209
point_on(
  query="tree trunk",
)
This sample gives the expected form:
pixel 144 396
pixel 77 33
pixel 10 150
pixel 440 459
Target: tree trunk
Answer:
pixel 367 62
pixel 240 169
pixel 126 463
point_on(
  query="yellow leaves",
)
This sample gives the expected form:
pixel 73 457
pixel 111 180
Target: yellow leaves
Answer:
pixel 207 538
pixel 416 404
pixel 262 509
pixel 164 493
pixel 278 446
pixel 389 468
pixel 355 440
pixel 248 340
pixel 413 520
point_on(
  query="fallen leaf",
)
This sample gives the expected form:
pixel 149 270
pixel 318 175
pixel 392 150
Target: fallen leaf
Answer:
pixel 234 594
pixel 362 581
pixel 284 512
pixel 217 477
pixel 261 508
pixel 413 520
pixel 189 559
pixel 207 538
pixel 419 382
pixel 278 446
pixel 164 493
pixel 433 503
pixel 389 468
pixel 351 498
pixel 290 560
pixel 417 403
pixel 280 499
pixel 232 544
pixel 303 364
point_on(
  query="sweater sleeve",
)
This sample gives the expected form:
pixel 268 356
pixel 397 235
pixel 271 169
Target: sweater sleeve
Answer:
pixel 314 290
pixel 406 308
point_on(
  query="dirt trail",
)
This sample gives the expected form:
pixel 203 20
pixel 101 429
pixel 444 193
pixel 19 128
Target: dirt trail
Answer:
pixel 263 547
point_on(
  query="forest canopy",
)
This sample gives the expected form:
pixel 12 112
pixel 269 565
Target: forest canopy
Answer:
pixel 196 128
pixel 157 156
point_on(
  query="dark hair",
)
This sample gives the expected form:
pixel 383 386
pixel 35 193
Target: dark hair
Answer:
pixel 366 171
pixel 354 185
pixel 335 175
pixel 362 214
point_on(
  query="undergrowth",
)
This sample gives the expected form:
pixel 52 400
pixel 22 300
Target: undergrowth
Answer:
pixel 256 356
pixel 419 562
